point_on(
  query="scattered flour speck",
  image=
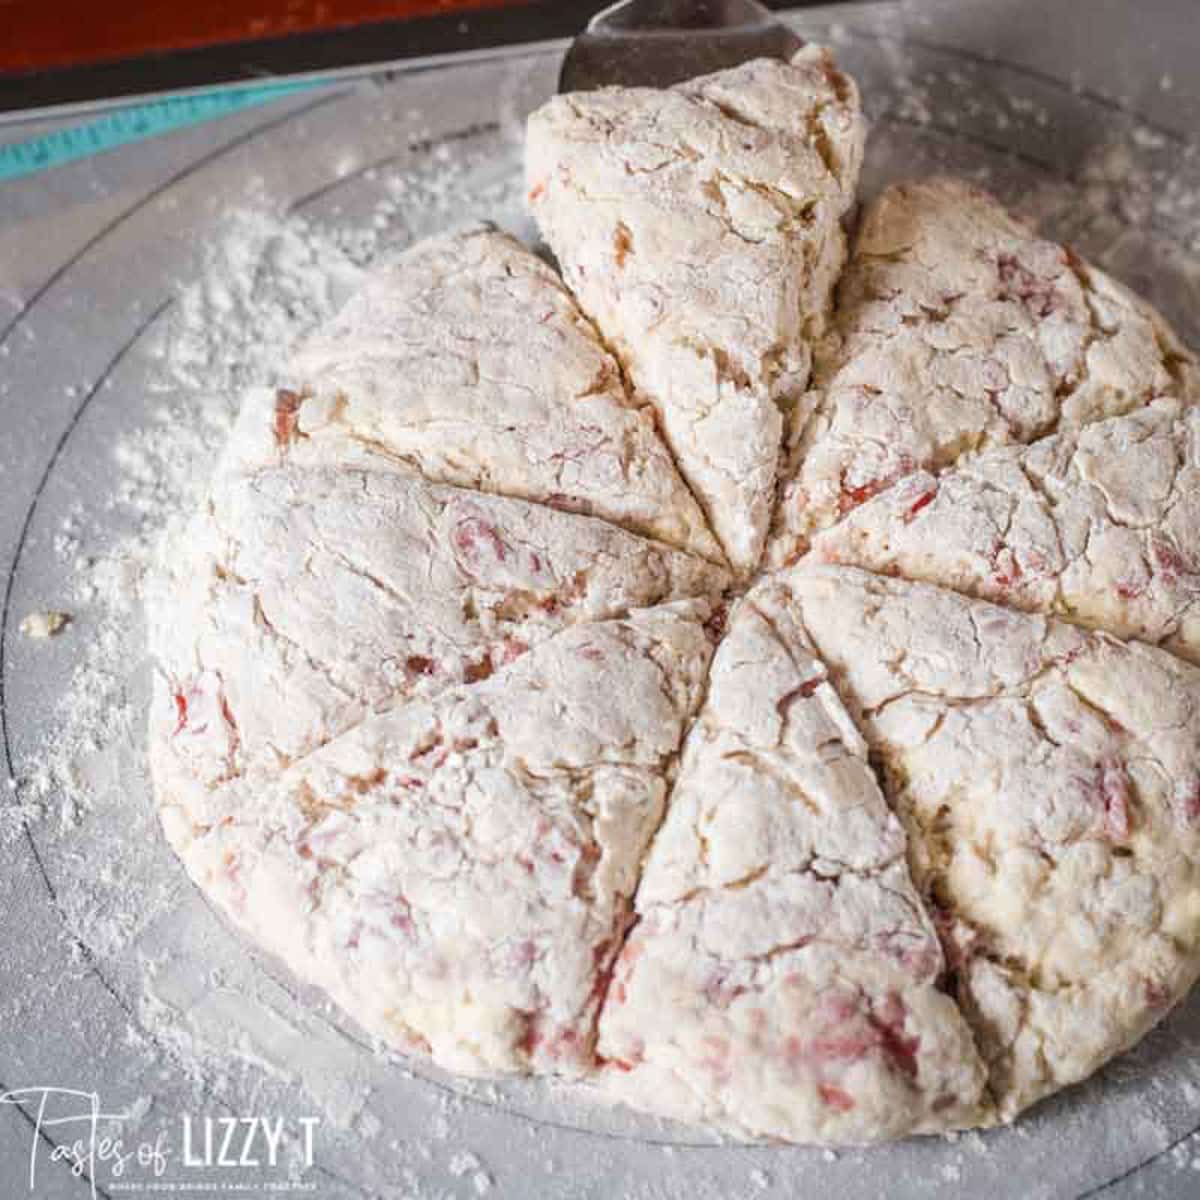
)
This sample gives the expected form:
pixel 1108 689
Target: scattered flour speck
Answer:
pixel 463 1162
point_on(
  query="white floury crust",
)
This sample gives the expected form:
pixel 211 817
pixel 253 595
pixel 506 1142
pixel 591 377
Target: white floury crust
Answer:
pixel 700 228
pixel 468 361
pixel 1101 525
pixel 958 329
pixel 454 878
pixel 782 979
pixel 298 601
pixel 1049 782
pixel 412 736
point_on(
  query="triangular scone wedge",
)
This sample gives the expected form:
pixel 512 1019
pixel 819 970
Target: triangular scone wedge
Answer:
pixel 956 330
pixel 700 228
pixel 467 361
pixel 299 600
pixel 1048 778
pixel 782 980
pixel 456 872
pixel 1101 526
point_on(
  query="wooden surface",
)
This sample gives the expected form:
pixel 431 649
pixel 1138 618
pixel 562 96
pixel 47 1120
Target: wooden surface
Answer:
pixel 37 34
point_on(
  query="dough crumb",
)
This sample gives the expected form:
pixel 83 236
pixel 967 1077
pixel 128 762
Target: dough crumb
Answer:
pixel 463 1162
pixel 44 624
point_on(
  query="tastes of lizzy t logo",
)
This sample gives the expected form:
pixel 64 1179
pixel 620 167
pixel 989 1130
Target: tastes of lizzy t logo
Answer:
pixel 72 1128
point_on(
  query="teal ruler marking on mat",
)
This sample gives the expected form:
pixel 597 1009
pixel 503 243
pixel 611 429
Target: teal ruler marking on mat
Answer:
pixel 136 123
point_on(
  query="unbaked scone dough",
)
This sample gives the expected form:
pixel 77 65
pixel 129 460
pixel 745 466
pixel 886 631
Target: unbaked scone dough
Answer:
pixel 415 709
pixel 456 871
pixel 1048 779
pixel 700 228
pixel 434 718
pixel 300 600
pixel 782 980
pixel 468 361
pixel 1101 526
pixel 958 329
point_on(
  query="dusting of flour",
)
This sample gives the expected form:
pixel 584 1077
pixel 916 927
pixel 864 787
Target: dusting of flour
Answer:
pixel 270 278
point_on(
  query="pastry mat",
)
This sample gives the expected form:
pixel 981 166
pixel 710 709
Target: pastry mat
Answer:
pixel 115 977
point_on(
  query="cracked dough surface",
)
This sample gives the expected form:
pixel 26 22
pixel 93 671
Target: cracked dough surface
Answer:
pixel 451 876
pixel 782 978
pixel 1049 782
pixel 1101 525
pixel 300 600
pixel 700 228
pixel 455 713
pixel 958 329
pixel 470 362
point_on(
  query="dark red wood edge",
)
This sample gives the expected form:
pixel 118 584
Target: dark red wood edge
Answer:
pixel 39 35
pixel 448 27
